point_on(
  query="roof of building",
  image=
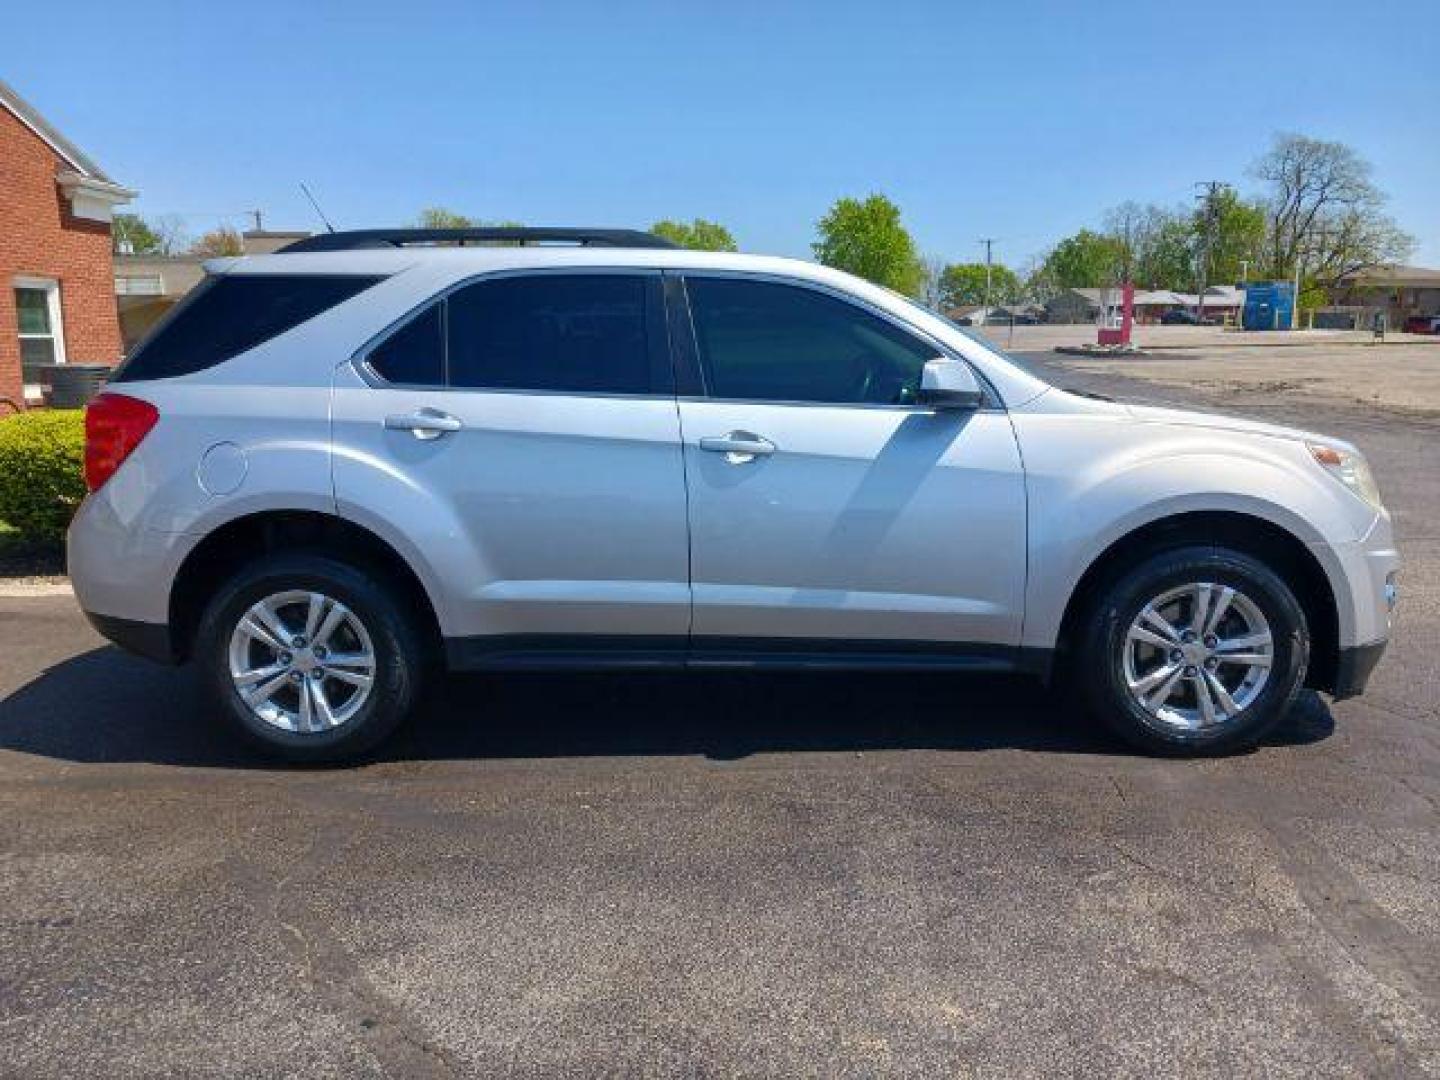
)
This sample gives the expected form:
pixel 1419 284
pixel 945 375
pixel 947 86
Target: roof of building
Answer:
pixel 1395 276
pixel 1215 296
pixel 31 118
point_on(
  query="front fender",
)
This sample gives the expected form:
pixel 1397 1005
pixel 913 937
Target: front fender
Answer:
pixel 1135 475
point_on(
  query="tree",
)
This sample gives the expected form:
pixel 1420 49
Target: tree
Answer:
pixel 133 235
pixel 1133 228
pixel 964 283
pixel 1322 209
pixel 866 238
pixel 1037 285
pixel 1168 261
pixel 439 217
pixel 1236 235
pixel 698 235
pixel 1086 260
pixel 1154 247
pixel 218 242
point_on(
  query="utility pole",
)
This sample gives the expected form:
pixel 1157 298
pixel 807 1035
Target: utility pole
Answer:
pixel 987 241
pixel 259 225
pixel 1209 190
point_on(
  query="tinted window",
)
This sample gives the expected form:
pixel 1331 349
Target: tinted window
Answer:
pixel 581 333
pixel 415 353
pixel 226 315
pixel 770 342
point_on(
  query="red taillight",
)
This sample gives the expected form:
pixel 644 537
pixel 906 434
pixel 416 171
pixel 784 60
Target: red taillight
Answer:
pixel 114 426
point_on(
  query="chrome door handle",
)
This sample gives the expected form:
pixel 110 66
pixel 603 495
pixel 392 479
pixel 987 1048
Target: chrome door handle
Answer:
pixel 739 447
pixel 424 423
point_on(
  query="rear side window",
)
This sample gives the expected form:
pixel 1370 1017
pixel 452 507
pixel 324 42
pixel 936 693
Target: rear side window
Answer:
pixel 229 314
pixel 414 355
pixel 581 333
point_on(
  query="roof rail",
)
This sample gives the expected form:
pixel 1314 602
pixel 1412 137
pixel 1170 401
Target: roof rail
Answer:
pixel 382 238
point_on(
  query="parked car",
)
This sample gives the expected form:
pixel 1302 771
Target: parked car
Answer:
pixel 1183 317
pixel 338 470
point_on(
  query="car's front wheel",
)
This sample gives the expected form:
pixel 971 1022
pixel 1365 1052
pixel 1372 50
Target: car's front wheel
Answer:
pixel 309 657
pixel 1198 650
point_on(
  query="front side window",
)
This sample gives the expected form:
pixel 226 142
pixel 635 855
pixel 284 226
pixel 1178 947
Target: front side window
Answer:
pixel 767 341
pixel 577 333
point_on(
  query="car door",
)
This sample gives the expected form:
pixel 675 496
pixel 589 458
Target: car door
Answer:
pixel 521 433
pixel 825 505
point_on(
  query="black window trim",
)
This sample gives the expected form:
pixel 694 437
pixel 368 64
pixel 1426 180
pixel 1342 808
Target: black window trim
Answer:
pixel 690 373
pixel 658 334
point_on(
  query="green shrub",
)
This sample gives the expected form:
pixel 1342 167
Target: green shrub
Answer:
pixel 42 471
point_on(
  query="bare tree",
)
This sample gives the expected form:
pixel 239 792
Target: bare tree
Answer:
pixel 1133 227
pixel 1039 286
pixel 171 230
pixel 932 281
pixel 1322 207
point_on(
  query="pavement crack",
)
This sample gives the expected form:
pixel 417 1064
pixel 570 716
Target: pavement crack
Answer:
pixel 326 965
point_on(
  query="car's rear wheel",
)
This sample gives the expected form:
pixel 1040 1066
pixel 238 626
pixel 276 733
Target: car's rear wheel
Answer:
pixel 310 658
pixel 1199 650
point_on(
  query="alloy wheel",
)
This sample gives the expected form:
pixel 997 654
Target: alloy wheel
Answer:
pixel 301 661
pixel 1196 656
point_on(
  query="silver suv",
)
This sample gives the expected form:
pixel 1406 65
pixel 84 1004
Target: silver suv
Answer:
pixel 337 468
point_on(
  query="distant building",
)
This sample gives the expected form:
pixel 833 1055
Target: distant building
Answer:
pixel 1082 305
pixel 1404 294
pixel 147 286
pixel 995 315
pixel 56 298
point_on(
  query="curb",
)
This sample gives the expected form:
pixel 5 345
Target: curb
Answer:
pixel 1287 345
pixel 1101 352
pixel 16 588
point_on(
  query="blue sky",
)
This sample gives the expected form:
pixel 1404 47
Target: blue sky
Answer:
pixel 1021 121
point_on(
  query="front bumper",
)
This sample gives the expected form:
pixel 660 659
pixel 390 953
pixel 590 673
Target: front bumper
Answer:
pixel 1353 668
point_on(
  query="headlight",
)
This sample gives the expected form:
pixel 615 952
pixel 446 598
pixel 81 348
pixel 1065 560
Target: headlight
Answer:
pixel 1350 468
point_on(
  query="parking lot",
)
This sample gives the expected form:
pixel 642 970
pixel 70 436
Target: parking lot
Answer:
pixel 743 874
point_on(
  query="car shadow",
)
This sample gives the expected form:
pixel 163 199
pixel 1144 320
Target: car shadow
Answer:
pixel 104 706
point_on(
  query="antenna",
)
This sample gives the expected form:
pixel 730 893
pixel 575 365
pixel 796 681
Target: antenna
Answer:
pixel 316 205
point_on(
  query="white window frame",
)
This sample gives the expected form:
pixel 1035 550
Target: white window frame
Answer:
pixel 51 288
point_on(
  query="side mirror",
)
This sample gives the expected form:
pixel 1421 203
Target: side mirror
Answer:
pixel 949 384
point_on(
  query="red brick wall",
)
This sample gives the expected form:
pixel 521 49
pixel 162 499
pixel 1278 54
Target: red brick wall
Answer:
pixel 39 236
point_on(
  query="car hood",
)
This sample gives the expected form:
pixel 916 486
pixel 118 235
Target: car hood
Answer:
pixel 1154 414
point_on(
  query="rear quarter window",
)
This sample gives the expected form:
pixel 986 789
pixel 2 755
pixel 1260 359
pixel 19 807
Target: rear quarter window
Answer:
pixel 229 314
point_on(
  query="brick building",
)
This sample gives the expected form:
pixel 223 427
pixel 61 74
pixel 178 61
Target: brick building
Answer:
pixel 57 285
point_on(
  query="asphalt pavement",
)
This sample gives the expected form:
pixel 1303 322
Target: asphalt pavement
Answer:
pixel 727 874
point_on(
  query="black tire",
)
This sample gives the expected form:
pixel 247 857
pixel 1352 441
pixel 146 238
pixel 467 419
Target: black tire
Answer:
pixel 394 632
pixel 1100 658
